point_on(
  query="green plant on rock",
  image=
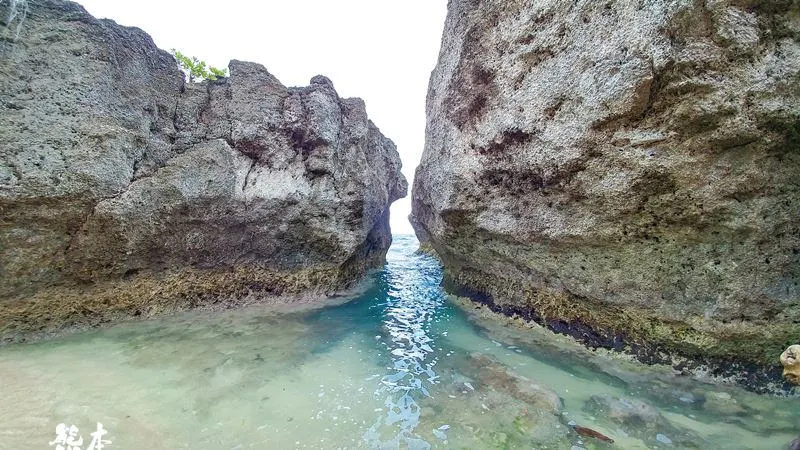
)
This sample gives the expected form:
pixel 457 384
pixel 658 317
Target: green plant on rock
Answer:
pixel 197 70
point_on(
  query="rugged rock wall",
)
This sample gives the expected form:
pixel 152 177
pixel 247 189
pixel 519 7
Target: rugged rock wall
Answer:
pixel 125 191
pixel 625 171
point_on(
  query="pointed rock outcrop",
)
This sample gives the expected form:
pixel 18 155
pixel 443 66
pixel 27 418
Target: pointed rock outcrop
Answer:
pixel 126 191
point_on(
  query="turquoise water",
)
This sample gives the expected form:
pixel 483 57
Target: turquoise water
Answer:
pixel 400 366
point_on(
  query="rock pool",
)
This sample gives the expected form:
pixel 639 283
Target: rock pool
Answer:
pixel 399 366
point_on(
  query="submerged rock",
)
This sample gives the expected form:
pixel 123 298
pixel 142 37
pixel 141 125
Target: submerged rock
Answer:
pixel 663 439
pixel 498 376
pixel 496 412
pixel 590 433
pixel 639 419
pixel 126 191
pixel 623 172
pixel 625 411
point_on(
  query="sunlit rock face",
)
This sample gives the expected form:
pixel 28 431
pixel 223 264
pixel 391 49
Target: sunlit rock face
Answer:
pixel 125 190
pixel 624 171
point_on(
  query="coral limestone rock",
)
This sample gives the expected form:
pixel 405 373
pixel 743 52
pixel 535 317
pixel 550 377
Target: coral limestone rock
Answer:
pixel 125 190
pixel 623 171
pixel 790 359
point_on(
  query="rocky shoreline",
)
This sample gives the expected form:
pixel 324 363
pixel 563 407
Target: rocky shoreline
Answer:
pixel 704 367
pixel 127 191
pixel 640 195
pixel 646 385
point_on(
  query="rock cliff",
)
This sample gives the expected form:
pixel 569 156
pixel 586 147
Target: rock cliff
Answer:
pixel 624 171
pixel 126 191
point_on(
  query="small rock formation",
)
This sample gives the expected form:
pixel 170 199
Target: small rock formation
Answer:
pixel 626 172
pixel 790 359
pixel 639 419
pixel 722 403
pixel 520 411
pixel 625 411
pixel 126 191
pixel 498 376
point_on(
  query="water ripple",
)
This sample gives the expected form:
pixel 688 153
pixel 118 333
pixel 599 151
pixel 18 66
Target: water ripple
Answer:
pixel 413 304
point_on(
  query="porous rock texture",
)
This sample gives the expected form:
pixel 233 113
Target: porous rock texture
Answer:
pixel 126 191
pixel 790 359
pixel 625 171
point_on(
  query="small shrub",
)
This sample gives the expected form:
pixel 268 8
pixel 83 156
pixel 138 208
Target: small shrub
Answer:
pixel 197 70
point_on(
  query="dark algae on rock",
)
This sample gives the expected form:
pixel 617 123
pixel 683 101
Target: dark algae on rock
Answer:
pixel 126 191
pixel 624 172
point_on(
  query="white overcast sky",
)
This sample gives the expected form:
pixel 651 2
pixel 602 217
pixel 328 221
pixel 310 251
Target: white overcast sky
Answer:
pixel 380 50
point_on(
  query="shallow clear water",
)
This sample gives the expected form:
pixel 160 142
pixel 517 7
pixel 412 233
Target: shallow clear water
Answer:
pixel 398 367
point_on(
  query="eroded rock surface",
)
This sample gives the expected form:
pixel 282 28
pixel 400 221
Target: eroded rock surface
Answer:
pixel 625 171
pixel 790 359
pixel 125 190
